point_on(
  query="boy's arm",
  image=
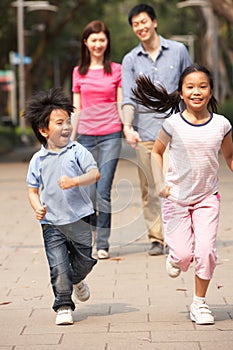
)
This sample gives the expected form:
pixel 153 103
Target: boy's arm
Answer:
pixel 34 199
pixel 88 178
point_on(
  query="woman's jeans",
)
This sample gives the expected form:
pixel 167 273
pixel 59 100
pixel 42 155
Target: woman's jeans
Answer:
pixel 106 151
pixel 69 253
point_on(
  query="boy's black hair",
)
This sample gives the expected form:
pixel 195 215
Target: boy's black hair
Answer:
pixel 139 9
pixel 41 105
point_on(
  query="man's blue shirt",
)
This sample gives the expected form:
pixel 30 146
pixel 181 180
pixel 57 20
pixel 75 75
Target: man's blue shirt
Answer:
pixel 172 59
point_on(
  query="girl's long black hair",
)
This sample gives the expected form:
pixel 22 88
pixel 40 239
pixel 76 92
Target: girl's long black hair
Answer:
pixel 156 97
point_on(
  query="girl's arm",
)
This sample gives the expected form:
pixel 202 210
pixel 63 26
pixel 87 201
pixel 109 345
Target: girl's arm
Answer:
pixel 88 178
pixel 75 115
pixel 34 199
pixel 227 150
pixel 157 164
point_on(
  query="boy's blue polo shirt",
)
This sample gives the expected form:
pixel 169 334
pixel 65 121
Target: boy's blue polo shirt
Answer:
pixel 46 167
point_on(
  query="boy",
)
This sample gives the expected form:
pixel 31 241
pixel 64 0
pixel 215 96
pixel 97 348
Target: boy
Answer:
pixel 55 178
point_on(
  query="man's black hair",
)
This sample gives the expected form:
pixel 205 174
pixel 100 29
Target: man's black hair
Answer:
pixel 139 9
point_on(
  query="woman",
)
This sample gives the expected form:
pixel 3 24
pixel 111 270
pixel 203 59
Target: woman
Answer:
pixel 96 90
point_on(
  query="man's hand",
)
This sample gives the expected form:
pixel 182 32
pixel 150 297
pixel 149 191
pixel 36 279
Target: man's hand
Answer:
pixel 132 137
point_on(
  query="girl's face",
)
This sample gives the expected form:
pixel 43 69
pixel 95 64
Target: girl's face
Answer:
pixel 196 91
pixel 143 26
pixel 97 44
pixel 59 129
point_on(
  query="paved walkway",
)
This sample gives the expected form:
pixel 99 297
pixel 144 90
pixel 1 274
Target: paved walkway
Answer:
pixel 134 304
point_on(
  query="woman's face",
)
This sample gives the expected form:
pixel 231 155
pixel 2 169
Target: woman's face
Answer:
pixel 96 44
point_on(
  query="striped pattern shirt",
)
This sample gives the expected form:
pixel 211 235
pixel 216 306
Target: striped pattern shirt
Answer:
pixel 193 157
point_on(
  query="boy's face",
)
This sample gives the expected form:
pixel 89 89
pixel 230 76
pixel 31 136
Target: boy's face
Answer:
pixel 143 26
pixel 59 129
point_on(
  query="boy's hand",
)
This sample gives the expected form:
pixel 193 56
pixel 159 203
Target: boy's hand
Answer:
pixel 40 212
pixel 66 182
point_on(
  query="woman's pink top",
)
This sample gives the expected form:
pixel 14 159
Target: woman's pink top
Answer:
pixel 99 114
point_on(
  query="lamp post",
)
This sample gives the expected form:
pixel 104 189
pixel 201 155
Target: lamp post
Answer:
pixel 31 5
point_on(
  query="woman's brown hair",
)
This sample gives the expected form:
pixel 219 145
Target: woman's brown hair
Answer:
pixel 94 27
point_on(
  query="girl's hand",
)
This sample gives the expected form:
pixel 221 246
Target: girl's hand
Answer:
pixel 40 212
pixel 162 191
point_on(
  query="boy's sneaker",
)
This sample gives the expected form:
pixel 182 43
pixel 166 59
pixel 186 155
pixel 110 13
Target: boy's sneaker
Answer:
pixel 81 291
pixel 172 269
pixel 103 254
pixel 201 314
pixel 64 315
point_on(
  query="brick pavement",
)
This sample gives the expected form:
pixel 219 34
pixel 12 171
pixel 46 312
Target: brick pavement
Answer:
pixel 134 304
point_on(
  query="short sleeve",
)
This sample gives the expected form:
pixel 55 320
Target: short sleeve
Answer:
pixel 227 127
pixel 84 158
pixel 167 128
pixel 33 174
pixel 76 80
pixel 118 74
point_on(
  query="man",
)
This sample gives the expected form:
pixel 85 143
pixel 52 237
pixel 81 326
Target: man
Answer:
pixel 163 61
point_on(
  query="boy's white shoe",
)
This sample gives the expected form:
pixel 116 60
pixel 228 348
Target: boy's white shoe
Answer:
pixel 103 254
pixel 172 269
pixel 64 316
pixel 201 314
pixel 81 291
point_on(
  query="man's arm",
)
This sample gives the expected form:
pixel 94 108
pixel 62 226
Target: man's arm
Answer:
pixel 128 105
pixel 132 136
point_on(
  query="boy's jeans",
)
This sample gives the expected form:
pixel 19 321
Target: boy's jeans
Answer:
pixel 69 253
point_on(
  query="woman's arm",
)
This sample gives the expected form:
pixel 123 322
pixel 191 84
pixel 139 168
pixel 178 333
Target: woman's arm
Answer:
pixel 75 115
pixel 227 150
pixel 119 100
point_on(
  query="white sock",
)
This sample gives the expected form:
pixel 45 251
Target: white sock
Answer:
pixel 198 300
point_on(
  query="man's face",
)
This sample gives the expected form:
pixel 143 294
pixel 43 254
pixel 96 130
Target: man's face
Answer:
pixel 143 26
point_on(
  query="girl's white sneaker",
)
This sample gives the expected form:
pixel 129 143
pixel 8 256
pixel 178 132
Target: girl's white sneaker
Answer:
pixel 201 314
pixel 172 269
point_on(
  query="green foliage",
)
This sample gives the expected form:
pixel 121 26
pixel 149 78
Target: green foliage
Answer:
pixel 53 39
pixel 226 109
pixel 11 138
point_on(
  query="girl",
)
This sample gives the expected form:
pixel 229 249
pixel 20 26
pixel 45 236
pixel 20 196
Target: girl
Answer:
pixel 96 97
pixel 191 198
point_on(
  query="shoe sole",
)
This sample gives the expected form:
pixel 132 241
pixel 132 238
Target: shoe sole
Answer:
pixel 192 317
pixel 66 323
